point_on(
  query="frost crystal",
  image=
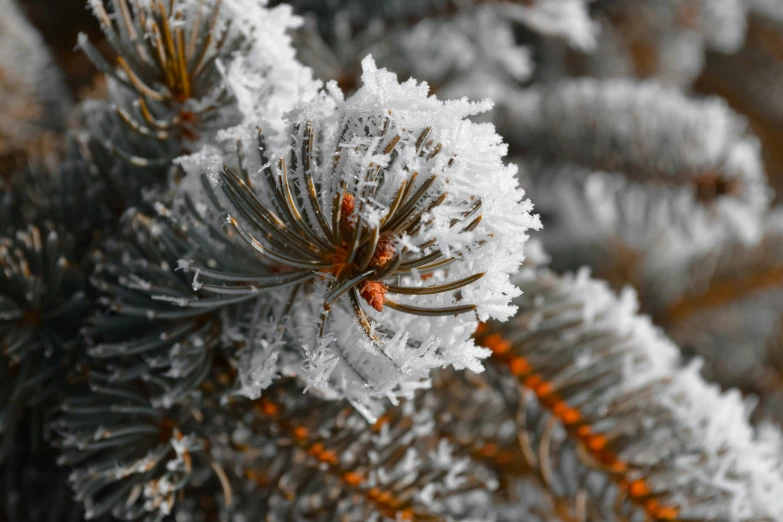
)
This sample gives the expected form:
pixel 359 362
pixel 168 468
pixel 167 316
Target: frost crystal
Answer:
pixel 567 18
pixel 267 81
pixel 474 54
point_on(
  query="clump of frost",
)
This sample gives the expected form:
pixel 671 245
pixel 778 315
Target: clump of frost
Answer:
pixel 569 19
pixel 470 165
pixel 432 145
pixel 268 80
pixel 474 54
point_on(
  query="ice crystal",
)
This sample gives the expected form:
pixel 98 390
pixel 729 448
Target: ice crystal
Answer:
pixel 567 18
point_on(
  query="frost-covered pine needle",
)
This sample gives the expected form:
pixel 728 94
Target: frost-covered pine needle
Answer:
pixel 677 447
pixel 393 219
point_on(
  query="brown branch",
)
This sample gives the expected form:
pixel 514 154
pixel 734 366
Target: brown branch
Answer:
pixel 721 293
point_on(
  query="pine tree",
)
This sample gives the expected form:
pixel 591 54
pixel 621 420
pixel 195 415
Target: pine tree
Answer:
pixel 278 266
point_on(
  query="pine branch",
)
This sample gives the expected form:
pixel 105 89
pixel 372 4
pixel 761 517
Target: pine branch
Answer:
pixel 647 39
pixel 42 301
pixel 564 18
pixel 142 330
pixel 636 169
pixel 747 80
pixel 60 183
pixel 329 464
pixel 459 47
pixel 725 306
pixel 33 100
pixel 168 62
pixel 541 474
pixel 133 458
pixel 185 72
pixel 385 211
pixel 616 389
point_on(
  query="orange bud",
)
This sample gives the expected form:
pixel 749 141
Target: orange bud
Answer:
pixel 519 366
pixel 374 293
pixel 638 488
pixel 384 251
pixel 352 479
pixel 347 206
pixel 497 344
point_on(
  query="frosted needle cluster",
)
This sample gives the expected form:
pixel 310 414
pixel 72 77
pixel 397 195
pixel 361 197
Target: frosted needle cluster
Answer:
pixel 390 215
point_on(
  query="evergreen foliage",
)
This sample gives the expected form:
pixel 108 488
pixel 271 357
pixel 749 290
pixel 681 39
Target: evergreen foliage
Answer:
pixel 279 263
